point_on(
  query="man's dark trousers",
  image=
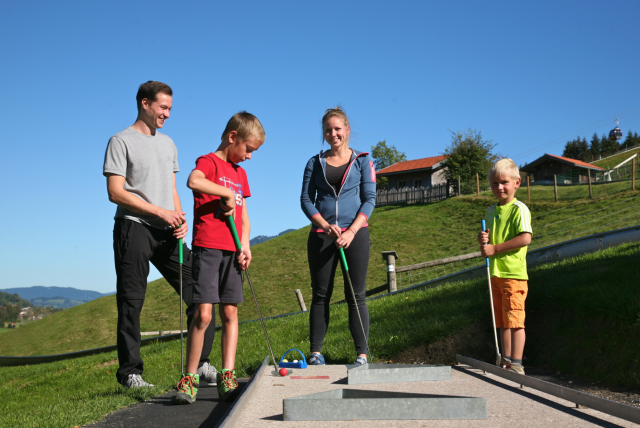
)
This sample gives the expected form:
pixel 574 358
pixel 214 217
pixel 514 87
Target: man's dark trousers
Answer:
pixel 134 246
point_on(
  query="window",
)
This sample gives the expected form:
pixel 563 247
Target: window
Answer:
pixel 402 184
pixel 417 182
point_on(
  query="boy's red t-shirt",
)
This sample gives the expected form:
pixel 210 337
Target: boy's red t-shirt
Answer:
pixel 210 229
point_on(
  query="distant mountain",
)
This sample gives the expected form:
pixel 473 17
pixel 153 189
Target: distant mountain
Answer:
pixel 56 301
pixel 40 294
pixel 262 238
pixel 12 299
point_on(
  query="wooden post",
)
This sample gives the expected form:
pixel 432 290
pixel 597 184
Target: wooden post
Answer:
pixel 303 307
pixel 390 257
pixel 555 186
pixel 161 333
pixel 478 182
pixel 633 173
pixel 589 178
pixel 528 188
pixel 459 188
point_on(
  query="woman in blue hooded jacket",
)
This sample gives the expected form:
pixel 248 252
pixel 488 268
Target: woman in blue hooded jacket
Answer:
pixel 338 196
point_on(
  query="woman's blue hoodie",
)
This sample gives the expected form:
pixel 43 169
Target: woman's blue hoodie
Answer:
pixel 356 196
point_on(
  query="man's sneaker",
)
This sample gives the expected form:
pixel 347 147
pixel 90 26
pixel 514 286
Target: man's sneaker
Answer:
pixel 227 384
pixel 187 390
pixel 208 374
pixel 360 361
pixel 505 361
pixel 136 381
pixel 316 360
pixel 517 368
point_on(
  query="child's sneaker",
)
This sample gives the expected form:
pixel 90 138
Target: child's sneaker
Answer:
pixel 227 384
pixel 360 361
pixel 136 381
pixel 187 389
pixel 515 367
pixel 208 374
pixel 505 362
pixel 316 360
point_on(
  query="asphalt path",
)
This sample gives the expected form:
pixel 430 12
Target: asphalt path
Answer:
pixel 158 411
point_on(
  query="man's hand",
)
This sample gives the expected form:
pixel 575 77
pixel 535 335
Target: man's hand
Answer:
pixel 244 257
pixel 181 232
pixel 172 218
pixel 483 237
pixel 488 250
pixel 345 238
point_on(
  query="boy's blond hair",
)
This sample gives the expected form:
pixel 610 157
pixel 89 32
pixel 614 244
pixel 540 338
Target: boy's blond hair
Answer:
pixel 502 166
pixel 246 125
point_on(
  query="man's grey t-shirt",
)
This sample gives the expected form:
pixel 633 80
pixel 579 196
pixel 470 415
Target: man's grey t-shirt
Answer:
pixel 148 163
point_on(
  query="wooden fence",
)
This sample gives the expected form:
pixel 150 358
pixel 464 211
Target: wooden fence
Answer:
pixel 413 195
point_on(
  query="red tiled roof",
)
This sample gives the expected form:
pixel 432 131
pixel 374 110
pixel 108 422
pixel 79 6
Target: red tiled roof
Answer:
pixel 412 164
pixel 577 162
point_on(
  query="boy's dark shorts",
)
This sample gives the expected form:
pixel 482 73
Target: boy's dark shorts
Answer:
pixel 216 276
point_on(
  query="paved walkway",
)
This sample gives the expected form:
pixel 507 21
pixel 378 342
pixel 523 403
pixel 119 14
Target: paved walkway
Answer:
pixel 207 411
pixel 507 404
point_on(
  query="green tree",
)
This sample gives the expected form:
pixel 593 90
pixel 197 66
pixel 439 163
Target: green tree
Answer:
pixel 609 147
pixel 467 155
pixel 577 149
pixel 384 156
pixel 595 146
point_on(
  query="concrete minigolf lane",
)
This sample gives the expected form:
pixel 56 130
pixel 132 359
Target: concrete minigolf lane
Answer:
pixel 158 412
pixel 507 404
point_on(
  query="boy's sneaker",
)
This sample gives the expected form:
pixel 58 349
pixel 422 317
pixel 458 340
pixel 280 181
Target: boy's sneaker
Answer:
pixel 316 360
pixel 136 381
pixel 227 384
pixel 505 362
pixel 208 374
pixel 360 361
pixel 517 368
pixel 187 389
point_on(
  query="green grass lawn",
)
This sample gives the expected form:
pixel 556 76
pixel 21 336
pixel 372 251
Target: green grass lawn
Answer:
pixel 5 330
pixel 582 319
pixel 418 233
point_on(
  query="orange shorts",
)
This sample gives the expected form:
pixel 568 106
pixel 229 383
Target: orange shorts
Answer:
pixel 508 301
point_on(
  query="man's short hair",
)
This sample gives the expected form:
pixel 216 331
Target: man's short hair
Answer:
pixel 246 126
pixel 502 166
pixel 150 91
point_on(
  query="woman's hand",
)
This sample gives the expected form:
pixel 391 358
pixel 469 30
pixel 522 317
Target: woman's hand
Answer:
pixel 332 230
pixel 345 238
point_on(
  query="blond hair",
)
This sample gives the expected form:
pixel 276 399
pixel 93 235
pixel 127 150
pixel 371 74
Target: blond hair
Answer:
pixel 338 112
pixel 502 166
pixel 246 126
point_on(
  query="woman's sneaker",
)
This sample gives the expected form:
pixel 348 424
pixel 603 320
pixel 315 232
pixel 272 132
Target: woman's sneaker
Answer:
pixel 227 384
pixel 360 361
pixel 517 368
pixel 208 374
pixel 187 389
pixel 136 381
pixel 316 360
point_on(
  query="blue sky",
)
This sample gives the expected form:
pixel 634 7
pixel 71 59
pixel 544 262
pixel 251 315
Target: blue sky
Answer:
pixel 524 74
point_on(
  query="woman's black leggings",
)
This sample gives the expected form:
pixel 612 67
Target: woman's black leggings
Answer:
pixel 324 258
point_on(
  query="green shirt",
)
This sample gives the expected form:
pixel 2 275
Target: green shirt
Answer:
pixel 505 223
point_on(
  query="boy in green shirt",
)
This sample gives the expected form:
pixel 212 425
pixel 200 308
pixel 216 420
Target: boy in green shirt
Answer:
pixel 507 236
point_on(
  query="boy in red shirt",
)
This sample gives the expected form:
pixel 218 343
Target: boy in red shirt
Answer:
pixel 220 189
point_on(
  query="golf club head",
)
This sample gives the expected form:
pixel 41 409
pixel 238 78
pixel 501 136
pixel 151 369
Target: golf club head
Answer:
pixel 498 360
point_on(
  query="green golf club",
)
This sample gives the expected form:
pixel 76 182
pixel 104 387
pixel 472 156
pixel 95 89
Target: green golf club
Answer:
pixel 353 294
pixel 181 311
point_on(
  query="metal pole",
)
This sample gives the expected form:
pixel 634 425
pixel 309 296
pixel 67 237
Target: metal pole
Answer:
pixel 555 186
pixel 303 307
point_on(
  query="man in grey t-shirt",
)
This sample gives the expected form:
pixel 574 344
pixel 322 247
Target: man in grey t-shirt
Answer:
pixel 140 165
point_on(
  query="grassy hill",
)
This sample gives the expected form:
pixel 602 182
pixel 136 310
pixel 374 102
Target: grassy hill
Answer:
pixel 417 232
pixel 616 159
pixel 575 323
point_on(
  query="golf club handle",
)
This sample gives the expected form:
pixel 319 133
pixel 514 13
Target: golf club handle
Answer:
pixel 180 245
pixel 234 232
pixel 484 229
pixel 344 259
